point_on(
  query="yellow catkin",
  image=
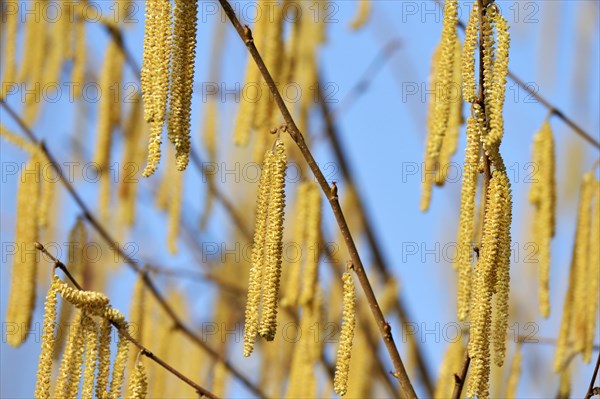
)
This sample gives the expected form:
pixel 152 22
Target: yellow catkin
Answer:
pixel 468 55
pixel 258 256
pixel 344 352
pixel 33 66
pixel 583 249
pixel 10 46
pixel 502 273
pixel 16 140
pixel 564 388
pixel 91 354
pixel 118 374
pixel 248 105
pixel 32 26
pixel 104 338
pixel 495 83
pixel 81 298
pixel 59 30
pixel 543 197
pixel 175 188
pixel 155 75
pixel 455 119
pixel 47 193
pixel 76 264
pixel 273 243
pixel 21 300
pixel 44 374
pixel 292 287
pixel 313 230
pixel 132 158
pixel 210 133
pixel 69 373
pixel 467 217
pixel 451 363
pixel 441 110
pixel 593 272
pixel 78 51
pixel 362 15
pixel 137 318
pixel 514 373
pixel 138 386
pixel 493 248
pixel 182 65
pixel 219 380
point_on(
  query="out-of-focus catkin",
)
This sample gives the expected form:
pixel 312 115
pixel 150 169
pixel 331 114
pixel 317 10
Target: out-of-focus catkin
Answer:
pixel 594 273
pixel 182 65
pixel 313 229
pixel 10 48
pixel 21 300
pixel 450 364
pixel 362 15
pixel 344 352
pixel 44 374
pixel 514 373
pixel 155 75
pixel 543 197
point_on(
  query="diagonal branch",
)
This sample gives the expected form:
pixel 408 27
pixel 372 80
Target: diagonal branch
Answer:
pixel 104 234
pixel 590 391
pixel 331 194
pixel 200 390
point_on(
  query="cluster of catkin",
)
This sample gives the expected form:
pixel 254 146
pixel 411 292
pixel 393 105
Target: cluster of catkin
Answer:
pixel 47 45
pixel 265 271
pixel 581 300
pixel 445 106
pixel 542 196
pixel 35 194
pixel 482 287
pixel 167 76
pixel 87 353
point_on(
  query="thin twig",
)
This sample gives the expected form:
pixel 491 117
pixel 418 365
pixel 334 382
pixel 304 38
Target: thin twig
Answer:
pixel 590 391
pixel 380 262
pixel 459 380
pixel 331 194
pixel 123 331
pixel 177 322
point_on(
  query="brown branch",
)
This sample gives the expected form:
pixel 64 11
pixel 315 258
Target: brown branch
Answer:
pixel 380 262
pixel 87 214
pixel 459 380
pixel 331 194
pixel 542 100
pixel 590 391
pixel 200 390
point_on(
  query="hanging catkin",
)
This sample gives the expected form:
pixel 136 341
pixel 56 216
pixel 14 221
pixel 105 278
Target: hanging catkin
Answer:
pixel 468 55
pixel 573 333
pixel 491 276
pixel 44 374
pixel 313 229
pixel 138 386
pixel 362 15
pixel 69 373
pixel 21 300
pixel 107 114
pixel 265 270
pixel 543 197
pixel 155 75
pixel 342 366
pixel 594 272
pixel 118 374
pixel 450 364
pixel 248 105
pixel 78 51
pixel 467 217
pixel 514 373
pixel 182 65
pixel 273 243
pixel 10 49
pixel 443 79
pixel 104 338
pixel 174 204
pixel 91 355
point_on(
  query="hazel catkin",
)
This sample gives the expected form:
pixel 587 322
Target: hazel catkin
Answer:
pixel 344 352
